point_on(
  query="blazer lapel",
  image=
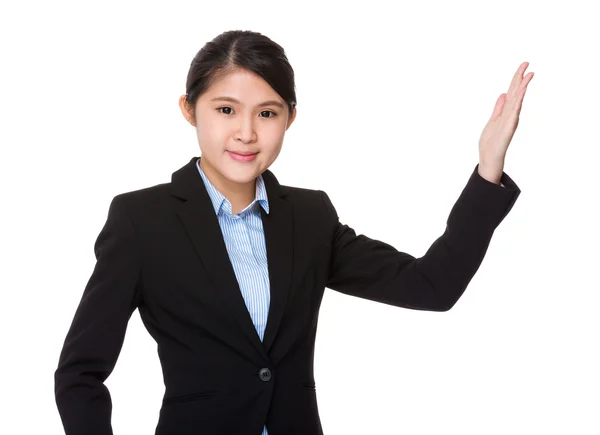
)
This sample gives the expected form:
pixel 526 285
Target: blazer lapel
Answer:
pixel 202 226
pixel 278 226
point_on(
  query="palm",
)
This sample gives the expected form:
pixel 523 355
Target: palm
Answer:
pixel 499 130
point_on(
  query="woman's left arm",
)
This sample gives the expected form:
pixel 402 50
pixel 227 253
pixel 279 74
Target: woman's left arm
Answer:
pixel 371 269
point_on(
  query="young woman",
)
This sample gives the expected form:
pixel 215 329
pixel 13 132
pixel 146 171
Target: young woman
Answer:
pixel 227 267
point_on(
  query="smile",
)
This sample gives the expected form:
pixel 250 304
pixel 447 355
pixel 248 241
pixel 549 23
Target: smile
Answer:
pixel 241 158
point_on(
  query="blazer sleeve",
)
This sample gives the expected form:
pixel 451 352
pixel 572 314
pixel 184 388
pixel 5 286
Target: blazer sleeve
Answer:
pixel 374 270
pixel 97 331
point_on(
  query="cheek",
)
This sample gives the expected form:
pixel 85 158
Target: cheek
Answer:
pixel 213 136
pixel 272 137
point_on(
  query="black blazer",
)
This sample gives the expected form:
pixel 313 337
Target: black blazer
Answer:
pixel 161 251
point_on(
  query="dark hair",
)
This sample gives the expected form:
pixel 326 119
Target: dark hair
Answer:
pixel 237 49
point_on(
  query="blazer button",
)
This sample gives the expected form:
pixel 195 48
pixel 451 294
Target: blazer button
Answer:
pixel 264 374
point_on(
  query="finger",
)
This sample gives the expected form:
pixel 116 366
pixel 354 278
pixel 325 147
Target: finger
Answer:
pixel 498 107
pixel 519 103
pixel 516 80
pixel 519 98
pixel 516 87
pixel 526 80
pixel 522 90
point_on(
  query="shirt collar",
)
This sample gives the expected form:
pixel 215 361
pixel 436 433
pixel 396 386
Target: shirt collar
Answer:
pixel 219 201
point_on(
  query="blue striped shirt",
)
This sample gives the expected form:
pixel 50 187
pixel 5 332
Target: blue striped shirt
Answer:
pixel 245 241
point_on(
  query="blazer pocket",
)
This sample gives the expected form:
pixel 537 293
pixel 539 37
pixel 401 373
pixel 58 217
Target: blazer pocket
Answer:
pixel 188 397
pixel 310 385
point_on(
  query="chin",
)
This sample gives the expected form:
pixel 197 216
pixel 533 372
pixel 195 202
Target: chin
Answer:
pixel 244 180
pixel 242 175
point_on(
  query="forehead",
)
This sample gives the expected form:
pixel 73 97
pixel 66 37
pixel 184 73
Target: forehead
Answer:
pixel 242 85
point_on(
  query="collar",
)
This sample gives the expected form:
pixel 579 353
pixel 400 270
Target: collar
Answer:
pixel 219 201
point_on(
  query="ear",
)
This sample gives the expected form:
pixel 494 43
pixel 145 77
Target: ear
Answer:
pixel 186 110
pixel 291 119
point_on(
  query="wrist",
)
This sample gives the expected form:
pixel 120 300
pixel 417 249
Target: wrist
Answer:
pixel 490 172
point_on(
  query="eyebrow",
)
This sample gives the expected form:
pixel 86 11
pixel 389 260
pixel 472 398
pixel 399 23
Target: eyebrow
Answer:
pixel 264 103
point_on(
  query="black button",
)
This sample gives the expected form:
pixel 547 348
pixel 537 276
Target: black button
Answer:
pixel 264 374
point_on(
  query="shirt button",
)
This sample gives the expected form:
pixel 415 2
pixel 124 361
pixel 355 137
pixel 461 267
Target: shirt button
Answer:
pixel 264 374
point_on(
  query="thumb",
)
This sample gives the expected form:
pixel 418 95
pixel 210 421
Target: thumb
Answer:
pixel 498 107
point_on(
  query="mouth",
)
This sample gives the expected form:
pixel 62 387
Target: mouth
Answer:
pixel 242 156
pixel 243 153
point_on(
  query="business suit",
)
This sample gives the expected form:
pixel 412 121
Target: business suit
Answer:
pixel 161 251
pixel 244 236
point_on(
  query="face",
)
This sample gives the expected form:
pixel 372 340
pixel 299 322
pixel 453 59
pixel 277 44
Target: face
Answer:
pixel 240 113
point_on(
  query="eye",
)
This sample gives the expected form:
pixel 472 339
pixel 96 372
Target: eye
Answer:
pixel 273 114
pixel 226 107
pixel 230 111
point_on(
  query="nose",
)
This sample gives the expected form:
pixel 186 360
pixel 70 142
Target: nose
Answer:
pixel 246 132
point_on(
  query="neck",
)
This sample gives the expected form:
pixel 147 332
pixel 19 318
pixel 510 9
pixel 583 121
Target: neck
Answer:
pixel 240 195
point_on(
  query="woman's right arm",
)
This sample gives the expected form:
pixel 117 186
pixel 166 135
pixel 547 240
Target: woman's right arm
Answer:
pixel 97 332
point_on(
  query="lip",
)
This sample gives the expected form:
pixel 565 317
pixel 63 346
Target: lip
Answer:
pixel 242 153
pixel 243 156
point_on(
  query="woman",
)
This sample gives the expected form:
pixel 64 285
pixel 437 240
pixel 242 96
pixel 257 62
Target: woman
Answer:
pixel 228 268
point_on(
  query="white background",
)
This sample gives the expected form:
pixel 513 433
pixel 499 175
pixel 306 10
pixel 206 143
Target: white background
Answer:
pixel 392 98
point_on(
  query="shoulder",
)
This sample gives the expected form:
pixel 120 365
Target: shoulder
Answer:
pixel 144 195
pixel 301 193
pixel 157 199
pixel 311 204
pixel 143 202
pixel 314 198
